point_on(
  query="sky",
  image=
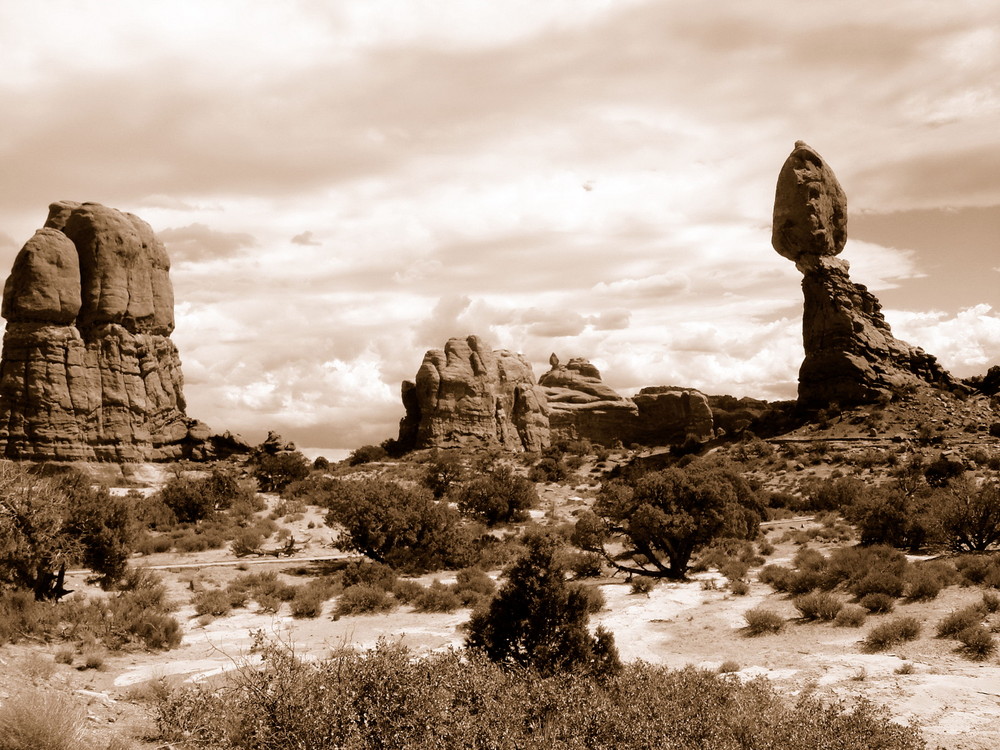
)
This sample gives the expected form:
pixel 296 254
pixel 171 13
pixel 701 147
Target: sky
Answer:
pixel 343 185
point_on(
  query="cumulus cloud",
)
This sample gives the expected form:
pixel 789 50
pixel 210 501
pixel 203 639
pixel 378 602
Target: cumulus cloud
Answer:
pixel 197 242
pixel 305 238
pixel 583 175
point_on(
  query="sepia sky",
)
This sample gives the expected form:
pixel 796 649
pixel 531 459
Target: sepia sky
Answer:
pixel 342 185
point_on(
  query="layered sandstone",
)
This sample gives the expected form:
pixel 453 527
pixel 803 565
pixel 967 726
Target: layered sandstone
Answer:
pixel 467 395
pixel 851 355
pixel 88 368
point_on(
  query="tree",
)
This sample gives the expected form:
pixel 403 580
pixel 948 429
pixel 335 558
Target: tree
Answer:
pixel 275 471
pixel 49 523
pixel 400 526
pixel 537 619
pixel 498 496
pixel 663 517
pixel 970 514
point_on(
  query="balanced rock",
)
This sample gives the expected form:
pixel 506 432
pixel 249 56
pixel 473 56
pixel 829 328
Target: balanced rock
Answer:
pixel 88 368
pixel 851 355
pixel 469 396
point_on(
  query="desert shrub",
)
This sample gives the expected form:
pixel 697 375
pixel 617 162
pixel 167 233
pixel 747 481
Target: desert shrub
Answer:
pixel 443 472
pixel 642 585
pixel 765 548
pixel 308 601
pixel 977 642
pixel 276 471
pixel 941 471
pixel 969 514
pixel 739 588
pixel 865 570
pixel 584 564
pixel 990 602
pixel 403 527
pixel 375 574
pixel 549 469
pixel 265 588
pixel 835 494
pixel 669 514
pixel 246 542
pixel 877 603
pixel 437 598
pixel 497 496
pixel 362 599
pixel 818 606
pixel 924 583
pixel 406 591
pixel 538 620
pixel 807 558
pixel 474 586
pixel 975 569
pixel 215 602
pixel 596 600
pixel 152 544
pixel 777 576
pixel 851 616
pixel 366 454
pixel 357 700
pixel 760 621
pixel 955 622
pixel 41 720
pixel 891 633
pixel 729 667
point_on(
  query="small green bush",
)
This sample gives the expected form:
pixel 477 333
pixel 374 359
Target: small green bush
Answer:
pixel 818 606
pixel 760 621
pixel 891 633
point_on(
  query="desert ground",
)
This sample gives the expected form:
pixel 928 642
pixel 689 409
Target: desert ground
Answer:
pixel 954 700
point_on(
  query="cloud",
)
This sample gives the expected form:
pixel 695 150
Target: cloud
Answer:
pixel 305 238
pixel 966 343
pixel 197 242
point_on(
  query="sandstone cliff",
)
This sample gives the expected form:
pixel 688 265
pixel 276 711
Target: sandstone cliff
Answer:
pixel 851 355
pixel 88 368
pixel 467 395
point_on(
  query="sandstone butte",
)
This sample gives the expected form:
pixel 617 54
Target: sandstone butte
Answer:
pixel 467 395
pixel 851 356
pixel 88 369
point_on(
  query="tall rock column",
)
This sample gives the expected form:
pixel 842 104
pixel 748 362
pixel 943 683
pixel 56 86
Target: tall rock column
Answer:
pixel 88 368
pixel 851 355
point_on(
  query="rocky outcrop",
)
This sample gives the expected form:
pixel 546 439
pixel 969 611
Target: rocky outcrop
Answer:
pixel 469 396
pixel 669 414
pixel 851 356
pixel 88 368
pixel 582 407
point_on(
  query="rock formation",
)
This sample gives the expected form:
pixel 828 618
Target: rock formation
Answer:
pixel 88 368
pixel 470 396
pixel 851 355
pixel 581 406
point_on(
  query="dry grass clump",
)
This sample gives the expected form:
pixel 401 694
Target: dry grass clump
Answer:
pixel 818 605
pixel 35 720
pixel 761 621
pixel 891 633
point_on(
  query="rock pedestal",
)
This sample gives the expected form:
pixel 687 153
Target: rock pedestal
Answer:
pixel 88 369
pixel 851 356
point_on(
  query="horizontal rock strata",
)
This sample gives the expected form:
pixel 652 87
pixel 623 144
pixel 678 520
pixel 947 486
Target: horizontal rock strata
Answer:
pixel 88 368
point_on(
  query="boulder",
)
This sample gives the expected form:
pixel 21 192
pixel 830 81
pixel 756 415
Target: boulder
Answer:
pixel 88 369
pixel 851 356
pixel 469 396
